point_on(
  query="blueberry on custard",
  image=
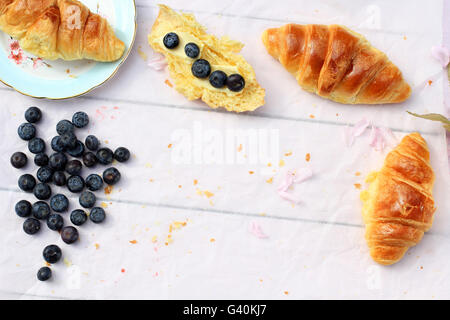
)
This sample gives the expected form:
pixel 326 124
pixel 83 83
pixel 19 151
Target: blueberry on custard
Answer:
pixel 171 40
pixel 218 79
pixel 235 83
pixel 192 50
pixel 201 69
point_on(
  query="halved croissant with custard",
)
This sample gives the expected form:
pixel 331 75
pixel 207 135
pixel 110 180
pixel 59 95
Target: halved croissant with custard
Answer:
pixel 66 29
pixel 398 207
pixel 337 64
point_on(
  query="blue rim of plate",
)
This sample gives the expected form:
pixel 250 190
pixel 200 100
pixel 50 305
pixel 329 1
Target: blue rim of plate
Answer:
pixel 85 82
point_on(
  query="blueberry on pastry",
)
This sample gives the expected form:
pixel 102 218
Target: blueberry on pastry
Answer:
pixel 203 66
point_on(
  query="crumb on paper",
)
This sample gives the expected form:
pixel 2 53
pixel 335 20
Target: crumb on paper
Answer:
pixel 195 182
pixel 148 165
pixel 269 180
pixel 430 82
pixel 104 205
pixel 404 38
pixel 312 116
pixel 133 241
pixel 358 186
pixel 308 157
pixel 251 172
pixel 168 83
pixel 122 270
pixel 288 154
pixel 109 189
pixel 142 54
pixel 154 239
pixel 281 163
pixel 205 193
pixel 169 146
pixel 286 292
pixel 357 173
pixel 67 71
pixel 97 246
pixel 269 164
pixel 212 240
pixel 239 149
pixel 67 262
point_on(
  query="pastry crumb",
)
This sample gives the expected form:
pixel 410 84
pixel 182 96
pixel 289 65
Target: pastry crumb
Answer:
pixel 308 157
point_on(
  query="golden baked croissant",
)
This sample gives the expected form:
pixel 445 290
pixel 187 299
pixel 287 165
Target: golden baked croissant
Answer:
pixel 336 63
pixel 398 206
pixel 66 29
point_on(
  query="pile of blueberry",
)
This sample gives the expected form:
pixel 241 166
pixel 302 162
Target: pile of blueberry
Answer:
pixel 52 169
pixel 201 68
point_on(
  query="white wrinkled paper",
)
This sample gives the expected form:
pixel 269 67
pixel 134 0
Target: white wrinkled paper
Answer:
pixel 182 225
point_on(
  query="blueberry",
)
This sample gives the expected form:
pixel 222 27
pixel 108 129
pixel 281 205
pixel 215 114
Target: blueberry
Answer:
pixel 40 210
pixel 73 167
pixel 235 83
pixel 122 154
pixel 59 203
pixel 31 226
pixel 23 208
pixel 19 160
pixel 44 274
pixel 78 151
pixel 97 215
pixel 80 119
pixel 68 141
pixel 45 174
pixel 87 199
pixel 42 191
pixel 111 176
pixel 33 114
pixel 105 156
pixel 41 160
pixel 218 79
pixel 57 144
pixel 59 178
pixel 27 182
pixel 89 159
pixel 58 161
pixel 26 131
pixel 171 40
pixel 192 50
pixel 75 184
pixel 201 69
pixel 78 217
pixel 52 253
pixel 94 182
pixel 64 126
pixel 36 145
pixel 69 234
pixel 92 143
pixel 55 222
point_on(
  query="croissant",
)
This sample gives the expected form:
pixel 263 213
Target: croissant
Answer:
pixel 66 29
pixel 337 64
pixel 398 206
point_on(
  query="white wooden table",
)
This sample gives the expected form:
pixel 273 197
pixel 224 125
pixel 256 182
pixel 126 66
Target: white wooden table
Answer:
pixel 179 229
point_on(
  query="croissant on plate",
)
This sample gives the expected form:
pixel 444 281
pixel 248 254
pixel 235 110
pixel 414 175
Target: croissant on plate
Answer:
pixel 398 206
pixel 66 29
pixel 337 63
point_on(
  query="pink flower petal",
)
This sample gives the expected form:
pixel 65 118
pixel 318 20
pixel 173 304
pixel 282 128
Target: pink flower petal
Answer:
pixel 349 138
pixel 255 229
pixel 289 197
pixel 441 54
pixel 377 140
pixel 297 176
pixel 360 127
pixel 157 63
